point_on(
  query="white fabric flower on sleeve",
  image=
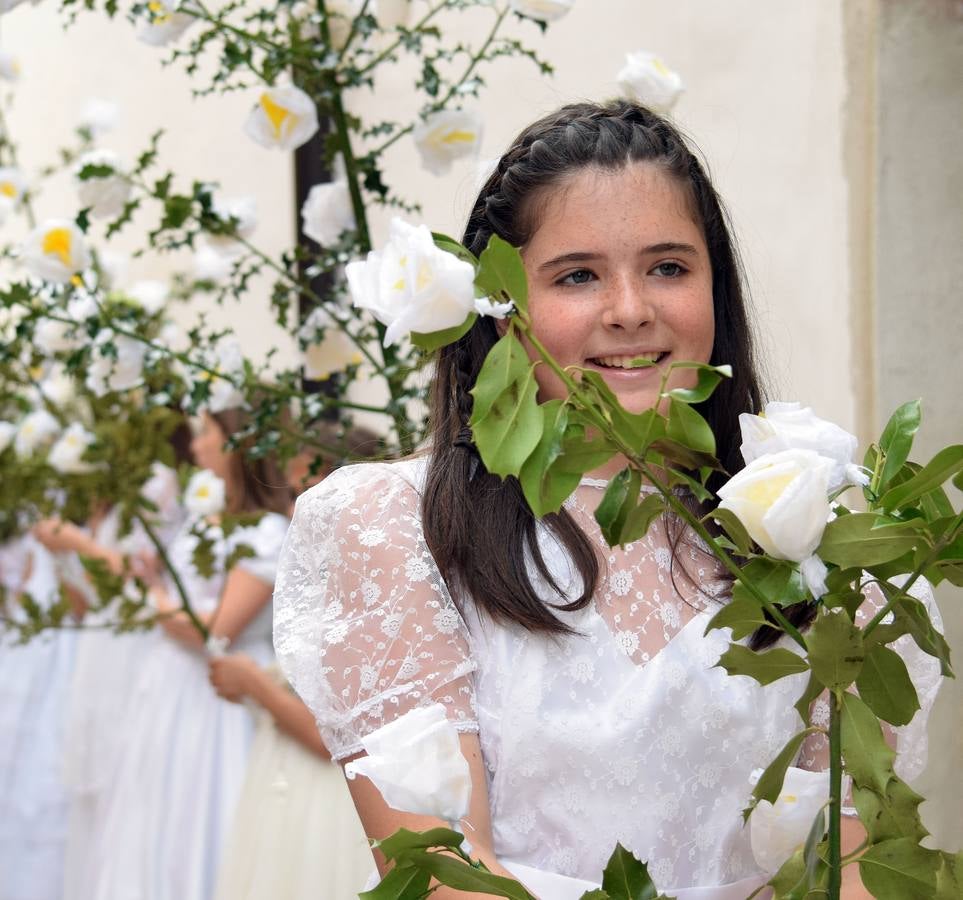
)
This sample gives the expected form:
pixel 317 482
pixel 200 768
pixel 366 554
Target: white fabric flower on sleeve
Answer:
pixel 647 79
pixel 67 454
pixel 283 118
pixel 102 184
pixel 204 495
pixel 542 10
pixel 417 764
pixel 55 251
pixel 165 23
pixel 447 135
pixel 412 285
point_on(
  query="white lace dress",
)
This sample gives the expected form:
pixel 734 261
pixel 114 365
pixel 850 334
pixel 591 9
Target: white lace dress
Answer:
pixel 624 732
pixel 185 750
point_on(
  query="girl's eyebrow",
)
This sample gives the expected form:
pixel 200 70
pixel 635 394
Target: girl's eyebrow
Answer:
pixel 585 256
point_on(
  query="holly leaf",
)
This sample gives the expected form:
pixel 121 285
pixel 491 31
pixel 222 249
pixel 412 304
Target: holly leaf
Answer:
pixel 766 667
pixel 770 782
pixel 885 686
pixel 835 649
pixel 742 614
pixel 892 814
pixel 911 616
pixel 627 878
pixel 814 688
pixel 900 869
pixel 869 759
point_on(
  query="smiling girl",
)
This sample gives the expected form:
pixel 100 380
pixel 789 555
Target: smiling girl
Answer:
pixel 580 676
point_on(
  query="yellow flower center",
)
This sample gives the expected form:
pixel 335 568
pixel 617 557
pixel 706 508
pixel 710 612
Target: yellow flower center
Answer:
pixel 765 493
pixel 277 115
pixel 203 492
pixel 8 189
pixel 161 13
pixel 77 281
pixel 56 242
pixel 660 67
pixel 36 372
pixel 458 137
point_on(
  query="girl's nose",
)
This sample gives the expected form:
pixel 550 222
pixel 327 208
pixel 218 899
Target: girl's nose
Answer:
pixel 628 306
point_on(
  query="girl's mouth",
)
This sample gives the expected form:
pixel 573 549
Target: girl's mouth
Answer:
pixel 625 362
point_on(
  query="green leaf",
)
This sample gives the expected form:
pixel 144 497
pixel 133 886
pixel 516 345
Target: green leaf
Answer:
pixel 699 491
pixel 708 379
pixel 869 759
pixel 403 840
pixel 792 881
pixel 580 455
pixel 835 649
pixel 949 878
pixel 506 421
pixel 401 883
pixel 638 430
pixel 619 499
pixel 940 468
pixel 766 667
pixel 450 245
pixel 861 540
pixel 501 273
pixel 742 614
pixel 770 782
pixel 598 894
pixel 432 340
pixel 688 428
pixel 641 517
pixel 811 848
pixel 627 878
pixel 733 527
pixel 897 440
pixel 885 686
pixel 900 869
pixel 894 814
pixel 911 615
pixel 681 455
pixel 777 580
pixel 814 687
pixel 546 488
pixel 458 874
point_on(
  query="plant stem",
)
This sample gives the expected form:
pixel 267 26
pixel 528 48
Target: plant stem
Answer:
pixel 835 795
pixel 178 584
pixel 384 54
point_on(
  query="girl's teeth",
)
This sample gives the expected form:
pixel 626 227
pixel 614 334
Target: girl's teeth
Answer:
pixel 624 362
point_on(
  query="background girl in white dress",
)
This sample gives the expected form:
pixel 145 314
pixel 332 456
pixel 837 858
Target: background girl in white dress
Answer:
pixel 590 707
pixel 185 751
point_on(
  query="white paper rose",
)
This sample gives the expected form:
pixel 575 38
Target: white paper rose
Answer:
pixel 102 185
pixel 647 79
pixel 36 431
pixel 204 495
pixel 445 136
pixel 98 116
pixel 412 285
pixel 7 433
pixel 149 294
pixel 67 454
pixel 327 212
pixel 10 68
pixel 55 251
pixel 12 187
pixel 786 426
pixel 542 10
pixel 417 764
pixel 284 118
pixel 211 264
pixel 333 352
pixel 777 830
pixel 165 23
pixel 118 369
pixel 782 499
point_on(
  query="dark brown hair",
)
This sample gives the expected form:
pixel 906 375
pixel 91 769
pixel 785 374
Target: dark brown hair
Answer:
pixel 261 485
pixel 479 528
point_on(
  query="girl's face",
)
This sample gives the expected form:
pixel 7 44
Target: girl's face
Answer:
pixel 207 446
pixel 618 269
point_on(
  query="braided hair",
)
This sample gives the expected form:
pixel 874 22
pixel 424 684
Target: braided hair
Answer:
pixel 479 527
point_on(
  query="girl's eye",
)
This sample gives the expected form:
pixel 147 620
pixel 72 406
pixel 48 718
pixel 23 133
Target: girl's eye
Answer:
pixel 579 276
pixel 668 270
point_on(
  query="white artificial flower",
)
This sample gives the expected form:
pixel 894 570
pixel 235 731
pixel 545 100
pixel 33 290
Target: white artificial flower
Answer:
pixel 55 251
pixel 417 764
pixel 412 285
pixel 119 370
pixel 542 10
pixel 104 195
pixel 782 499
pixel 224 365
pixel 7 433
pixel 58 387
pixel 9 66
pixel 211 264
pixel 445 136
pixel 327 212
pixel 341 14
pixel 334 352
pixel 99 116
pixel 204 495
pixel 485 307
pixel 12 187
pixel 150 295
pixel 165 23
pixel 113 268
pixel 785 426
pixel 647 79
pixel 37 430
pixel 777 830
pixel 243 212
pixel 66 455
pixel 284 118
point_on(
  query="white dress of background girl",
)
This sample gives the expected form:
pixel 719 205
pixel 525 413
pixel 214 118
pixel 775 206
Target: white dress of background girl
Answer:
pixel 622 732
pixel 34 679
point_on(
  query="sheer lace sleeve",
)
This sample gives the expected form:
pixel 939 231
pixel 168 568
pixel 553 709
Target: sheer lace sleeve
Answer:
pixel 910 740
pixel 364 627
